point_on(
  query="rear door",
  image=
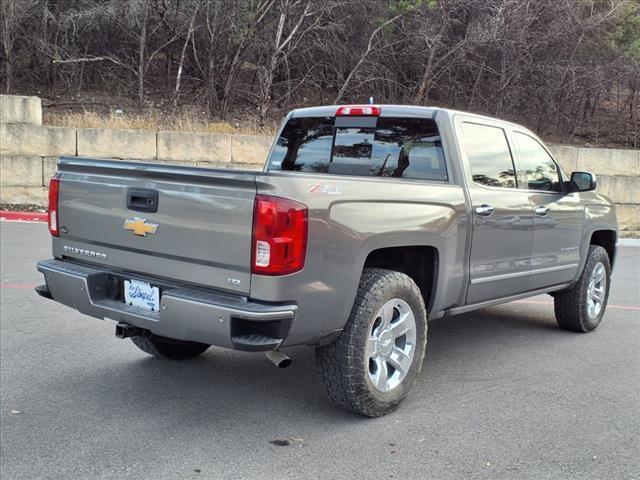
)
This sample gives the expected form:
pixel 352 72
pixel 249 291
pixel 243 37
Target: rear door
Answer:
pixel 197 231
pixel 502 217
pixel 558 218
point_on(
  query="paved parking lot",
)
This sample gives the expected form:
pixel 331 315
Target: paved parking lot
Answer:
pixel 504 394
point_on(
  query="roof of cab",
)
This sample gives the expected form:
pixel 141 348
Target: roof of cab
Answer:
pixel 386 110
pixel 395 110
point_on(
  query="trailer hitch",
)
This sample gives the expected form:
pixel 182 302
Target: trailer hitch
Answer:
pixel 124 330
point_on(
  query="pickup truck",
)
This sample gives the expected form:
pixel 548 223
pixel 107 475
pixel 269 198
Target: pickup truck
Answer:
pixel 366 221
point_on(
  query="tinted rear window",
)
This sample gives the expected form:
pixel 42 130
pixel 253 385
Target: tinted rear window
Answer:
pixel 396 147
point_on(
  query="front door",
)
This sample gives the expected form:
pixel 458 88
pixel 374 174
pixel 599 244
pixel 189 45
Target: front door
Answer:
pixel 502 235
pixel 557 217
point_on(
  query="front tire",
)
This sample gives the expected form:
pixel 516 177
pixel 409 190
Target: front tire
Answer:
pixel 581 308
pixel 168 347
pixel 375 361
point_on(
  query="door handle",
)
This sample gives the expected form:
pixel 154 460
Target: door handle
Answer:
pixel 484 210
pixel 541 210
pixel 142 200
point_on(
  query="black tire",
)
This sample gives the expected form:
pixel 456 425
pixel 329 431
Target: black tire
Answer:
pixel 344 368
pixel 570 305
pixel 168 347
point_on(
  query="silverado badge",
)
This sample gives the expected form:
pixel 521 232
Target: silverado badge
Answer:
pixel 140 227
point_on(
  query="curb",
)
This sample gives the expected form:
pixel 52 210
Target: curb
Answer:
pixel 629 242
pixel 23 216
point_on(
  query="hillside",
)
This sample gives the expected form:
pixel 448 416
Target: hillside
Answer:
pixel 569 70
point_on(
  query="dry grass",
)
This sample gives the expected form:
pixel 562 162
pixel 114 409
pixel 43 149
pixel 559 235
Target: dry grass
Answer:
pixel 156 121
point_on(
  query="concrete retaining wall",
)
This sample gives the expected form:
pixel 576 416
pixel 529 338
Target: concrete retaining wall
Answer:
pixel 121 144
pixel 618 173
pixel 28 154
pixel 19 109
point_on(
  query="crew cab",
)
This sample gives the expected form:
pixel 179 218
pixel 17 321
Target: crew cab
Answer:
pixel 366 221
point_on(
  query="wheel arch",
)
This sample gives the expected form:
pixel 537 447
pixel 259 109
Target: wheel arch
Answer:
pixel 606 239
pixel 420 262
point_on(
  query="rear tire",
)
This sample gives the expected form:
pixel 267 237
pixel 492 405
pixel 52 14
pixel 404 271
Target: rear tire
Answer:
pixel 168 347
pixel 581 308
pixel 375 361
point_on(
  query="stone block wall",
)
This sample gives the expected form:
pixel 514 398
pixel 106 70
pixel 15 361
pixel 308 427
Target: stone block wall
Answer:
pixel 29 151
pixel 618 173
pixel 20 109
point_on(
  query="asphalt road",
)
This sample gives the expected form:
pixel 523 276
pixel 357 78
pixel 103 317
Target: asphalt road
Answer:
pixel 504 394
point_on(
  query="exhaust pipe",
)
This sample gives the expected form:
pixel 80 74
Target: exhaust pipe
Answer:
pixel 278 358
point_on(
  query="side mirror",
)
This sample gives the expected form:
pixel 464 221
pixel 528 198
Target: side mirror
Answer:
pixel 583 182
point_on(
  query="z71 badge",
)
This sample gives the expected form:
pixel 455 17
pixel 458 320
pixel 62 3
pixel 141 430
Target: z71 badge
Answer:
pixel 324 189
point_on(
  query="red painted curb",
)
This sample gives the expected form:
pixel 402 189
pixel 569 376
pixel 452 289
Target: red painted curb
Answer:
pixel 23 216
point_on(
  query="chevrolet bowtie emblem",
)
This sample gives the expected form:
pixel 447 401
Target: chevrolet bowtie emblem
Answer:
pixel 139 226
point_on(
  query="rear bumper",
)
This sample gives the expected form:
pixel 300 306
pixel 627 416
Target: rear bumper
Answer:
pixel 192 314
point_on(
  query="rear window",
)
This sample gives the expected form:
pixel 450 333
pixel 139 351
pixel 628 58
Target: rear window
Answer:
pixel 395 147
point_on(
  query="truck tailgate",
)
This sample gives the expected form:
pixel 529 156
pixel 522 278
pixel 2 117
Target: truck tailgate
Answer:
pixel 203 219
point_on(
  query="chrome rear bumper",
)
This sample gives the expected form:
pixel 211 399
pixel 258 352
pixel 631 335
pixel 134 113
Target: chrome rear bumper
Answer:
pixel 185 313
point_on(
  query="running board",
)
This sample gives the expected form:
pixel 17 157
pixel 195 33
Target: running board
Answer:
pixel 499 301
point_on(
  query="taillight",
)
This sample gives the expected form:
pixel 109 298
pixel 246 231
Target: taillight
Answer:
pixel 358 111
pixel 54 192
pixel 279 242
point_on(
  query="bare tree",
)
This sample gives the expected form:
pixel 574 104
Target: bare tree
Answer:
pixel 182 55
pixel 14 13
pixel 371 45
pixel 570 69
pixel 247 32
pixel 292 14
pixel 436 20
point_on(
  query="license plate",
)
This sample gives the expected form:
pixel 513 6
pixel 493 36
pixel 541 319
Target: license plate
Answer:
pixel 141 295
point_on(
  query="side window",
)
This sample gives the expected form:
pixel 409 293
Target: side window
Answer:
pixel 539 171
pixel 489 155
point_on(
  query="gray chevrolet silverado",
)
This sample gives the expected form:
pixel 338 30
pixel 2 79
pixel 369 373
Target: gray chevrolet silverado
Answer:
pixel 366 221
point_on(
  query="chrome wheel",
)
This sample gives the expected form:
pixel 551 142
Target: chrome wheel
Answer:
pixel 596 293
pixel 391 345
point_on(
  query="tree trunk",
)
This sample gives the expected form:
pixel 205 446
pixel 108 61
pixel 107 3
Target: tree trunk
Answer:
pixel 141 54
pixel 228 85
pixel 266 90
pixel 9 70
pixel 425 84
pixel 477 82
pixel 213 99
pixel 182 54
pixel 267 80
pixel 363 57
